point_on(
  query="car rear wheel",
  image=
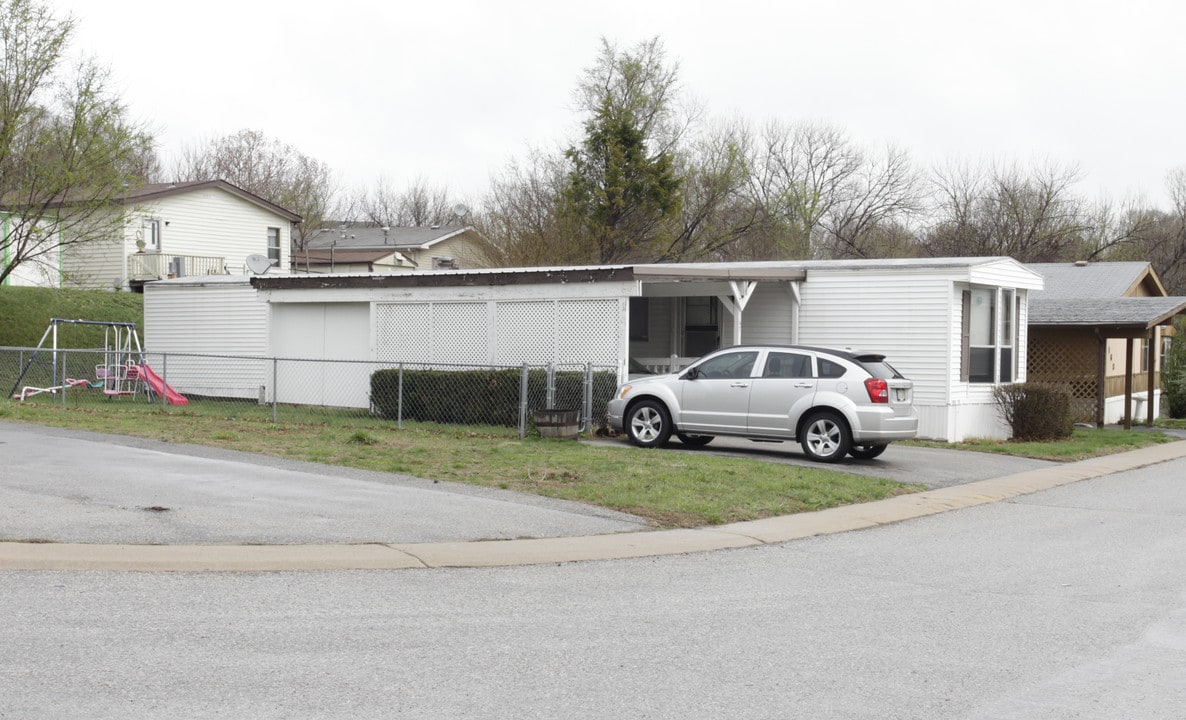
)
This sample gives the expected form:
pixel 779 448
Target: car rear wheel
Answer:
pixel 648 424
pixel 867 452
pixel 694 440
pixel 826 437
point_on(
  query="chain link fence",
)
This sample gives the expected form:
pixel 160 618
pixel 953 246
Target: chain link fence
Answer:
pixel 558 400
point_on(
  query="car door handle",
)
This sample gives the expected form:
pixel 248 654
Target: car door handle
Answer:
pixel 740 384
pixel 804 385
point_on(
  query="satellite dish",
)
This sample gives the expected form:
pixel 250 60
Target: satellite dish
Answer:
pixel 258 264
pixel 460 210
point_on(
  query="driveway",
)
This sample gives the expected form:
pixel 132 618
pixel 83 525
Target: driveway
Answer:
pixel 71 486
pixel 933 467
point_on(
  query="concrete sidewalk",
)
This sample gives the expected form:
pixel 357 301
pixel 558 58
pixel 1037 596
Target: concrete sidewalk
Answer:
pixel 615 545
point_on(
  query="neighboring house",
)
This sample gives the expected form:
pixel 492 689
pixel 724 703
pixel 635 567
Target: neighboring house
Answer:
pixel 1097 328
pixel 176 230
pixel 352 249
pixel 955 326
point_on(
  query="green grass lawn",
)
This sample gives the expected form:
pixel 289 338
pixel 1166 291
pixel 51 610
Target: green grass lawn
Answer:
pixel 1084 443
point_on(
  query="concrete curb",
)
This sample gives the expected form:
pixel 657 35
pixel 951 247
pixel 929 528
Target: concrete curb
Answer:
pixel 504 553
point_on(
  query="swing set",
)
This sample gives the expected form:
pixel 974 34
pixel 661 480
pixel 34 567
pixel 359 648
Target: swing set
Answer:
pixel 122 372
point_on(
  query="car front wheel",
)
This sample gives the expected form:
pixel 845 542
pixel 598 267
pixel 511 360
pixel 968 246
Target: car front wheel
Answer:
pixel 867 452
pixel 648 424
pixel 826 437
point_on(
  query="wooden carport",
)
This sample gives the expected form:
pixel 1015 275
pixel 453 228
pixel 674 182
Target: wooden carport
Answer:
pixel 1127 318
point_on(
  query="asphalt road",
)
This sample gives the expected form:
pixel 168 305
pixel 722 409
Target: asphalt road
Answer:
pixel 1068 603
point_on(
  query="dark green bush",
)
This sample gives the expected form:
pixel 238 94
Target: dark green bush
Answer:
pixel 481 397
pixel 1035 411
pixel 1173 374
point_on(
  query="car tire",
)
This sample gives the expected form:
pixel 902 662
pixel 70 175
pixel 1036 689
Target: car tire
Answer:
pixel 867 452
pixel 825 437
pixel 694 440
pixel 648 424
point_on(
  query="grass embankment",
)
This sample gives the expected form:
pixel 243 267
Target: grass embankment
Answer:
pixel 670 489
pixel 26 313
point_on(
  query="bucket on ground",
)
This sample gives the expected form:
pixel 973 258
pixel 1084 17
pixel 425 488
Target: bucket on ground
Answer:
pixel 563 424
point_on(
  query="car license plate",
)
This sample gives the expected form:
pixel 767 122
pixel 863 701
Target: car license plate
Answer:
pixel 900 394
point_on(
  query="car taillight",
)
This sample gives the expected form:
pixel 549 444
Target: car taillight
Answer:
pixel 878 390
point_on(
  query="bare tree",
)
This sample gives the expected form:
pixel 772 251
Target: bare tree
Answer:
pixel 1163 240
pixel 1031 215
pixel 522 217
pixel 271 169
pixel 68 149
pixel 418 205
pixel 869 217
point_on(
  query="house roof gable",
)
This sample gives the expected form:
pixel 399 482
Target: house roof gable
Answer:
pixel 1065 281
pixel 156 191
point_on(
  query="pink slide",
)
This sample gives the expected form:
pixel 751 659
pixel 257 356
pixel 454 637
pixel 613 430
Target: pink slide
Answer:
pixel 160 388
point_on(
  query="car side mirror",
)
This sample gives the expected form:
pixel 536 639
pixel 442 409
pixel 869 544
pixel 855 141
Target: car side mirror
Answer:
pixel 692 374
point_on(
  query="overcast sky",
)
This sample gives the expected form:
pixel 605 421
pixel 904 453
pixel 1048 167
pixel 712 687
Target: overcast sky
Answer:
pixel 451 90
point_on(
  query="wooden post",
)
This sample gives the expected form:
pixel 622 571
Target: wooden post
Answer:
pixel 1151 385
pixel 1128 344
pixel 1100 377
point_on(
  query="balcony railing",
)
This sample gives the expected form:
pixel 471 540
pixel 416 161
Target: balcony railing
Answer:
pixel 144 267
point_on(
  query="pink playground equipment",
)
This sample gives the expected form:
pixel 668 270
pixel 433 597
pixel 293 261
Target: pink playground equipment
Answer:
pixel 122 372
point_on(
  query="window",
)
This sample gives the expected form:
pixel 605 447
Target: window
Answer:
pixel 990 331
pixel 274 245
pixel 829 369
pixel 732 366
pixel 640 318
pixel 787 365
pixel 1145 355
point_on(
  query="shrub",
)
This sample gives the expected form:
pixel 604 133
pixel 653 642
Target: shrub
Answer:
pixel 1173 373
pixel 1035 411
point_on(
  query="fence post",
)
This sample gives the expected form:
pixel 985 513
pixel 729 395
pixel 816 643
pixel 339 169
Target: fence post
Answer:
pixel 399 400
pixel 551 393
pixel 63 380
pixel 587 404
pixel 164 381
pixel 275 390
pixel 523 402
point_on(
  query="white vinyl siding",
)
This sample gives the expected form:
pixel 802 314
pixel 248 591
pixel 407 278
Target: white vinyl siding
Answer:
pixel 902 315
pixel 209 222
pixel 220 317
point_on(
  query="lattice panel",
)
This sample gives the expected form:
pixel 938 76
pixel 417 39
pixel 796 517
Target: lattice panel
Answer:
pixel 459 333
pixel 588 331
pixel 403 332
pixel 525 332
pixel 1069 360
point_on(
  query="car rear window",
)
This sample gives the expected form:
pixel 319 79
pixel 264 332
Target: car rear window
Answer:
pixel 876 366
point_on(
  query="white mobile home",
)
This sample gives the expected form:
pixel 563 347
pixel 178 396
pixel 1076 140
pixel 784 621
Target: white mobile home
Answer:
pixel 955 326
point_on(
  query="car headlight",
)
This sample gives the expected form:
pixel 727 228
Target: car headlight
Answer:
pixel 624 391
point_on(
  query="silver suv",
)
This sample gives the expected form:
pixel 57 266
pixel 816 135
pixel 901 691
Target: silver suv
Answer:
pixel 834 402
